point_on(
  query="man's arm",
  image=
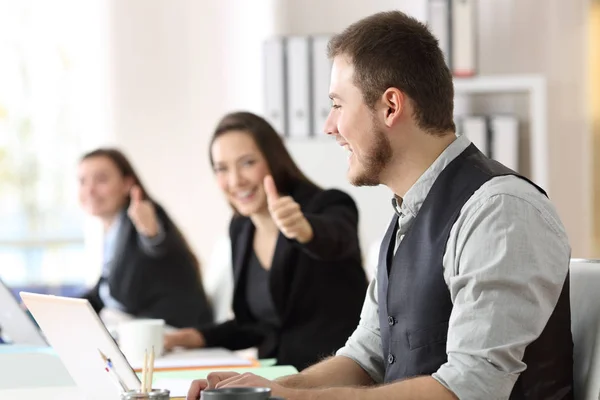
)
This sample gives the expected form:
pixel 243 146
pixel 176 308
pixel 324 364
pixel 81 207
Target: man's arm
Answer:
pixel 358 363
pixel 352 374
pixel 420 388
pixel 512 257
pixel 335 371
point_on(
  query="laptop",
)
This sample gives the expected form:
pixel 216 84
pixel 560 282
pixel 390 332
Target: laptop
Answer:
pixel 78 335
pixel 16 326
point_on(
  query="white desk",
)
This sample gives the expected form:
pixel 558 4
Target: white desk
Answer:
pixel 32 370
pixel 58 393
pixel 34 376
pixel 33 373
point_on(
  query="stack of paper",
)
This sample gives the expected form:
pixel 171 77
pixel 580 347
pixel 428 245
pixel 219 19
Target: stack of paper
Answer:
pixel 201 358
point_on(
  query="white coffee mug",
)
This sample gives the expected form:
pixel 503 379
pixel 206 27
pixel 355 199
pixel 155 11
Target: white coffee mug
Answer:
pixel 140 335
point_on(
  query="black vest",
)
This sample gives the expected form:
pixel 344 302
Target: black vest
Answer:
pixel 414 312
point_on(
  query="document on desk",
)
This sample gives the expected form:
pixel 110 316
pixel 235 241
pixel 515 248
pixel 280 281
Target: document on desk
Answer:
pixel 201 358
pixel 176 387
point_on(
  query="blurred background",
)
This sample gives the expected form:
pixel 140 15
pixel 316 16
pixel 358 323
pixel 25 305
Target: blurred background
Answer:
pixel 154 76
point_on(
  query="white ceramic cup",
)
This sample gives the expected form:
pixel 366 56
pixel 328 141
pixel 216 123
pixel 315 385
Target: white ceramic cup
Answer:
pixel 137 336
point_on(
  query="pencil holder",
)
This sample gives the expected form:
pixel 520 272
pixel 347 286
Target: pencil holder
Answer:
pixel 154 394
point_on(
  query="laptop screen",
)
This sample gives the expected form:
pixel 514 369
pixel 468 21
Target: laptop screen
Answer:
pixel 16 324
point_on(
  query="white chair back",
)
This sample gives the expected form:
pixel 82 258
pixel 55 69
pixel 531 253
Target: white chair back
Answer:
pixel 585 319
pixel 218 280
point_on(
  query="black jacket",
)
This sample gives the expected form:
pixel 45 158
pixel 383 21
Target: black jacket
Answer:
pixel 318 289
pixel 161 281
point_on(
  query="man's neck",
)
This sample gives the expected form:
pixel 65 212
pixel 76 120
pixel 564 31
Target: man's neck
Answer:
pixel 410 163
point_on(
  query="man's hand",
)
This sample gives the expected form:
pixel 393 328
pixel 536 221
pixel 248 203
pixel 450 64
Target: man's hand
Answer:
pixel 287 214
pixel 335 378
pixel 422 388
pixel 209 383
pixel 142 213
pixel 245 380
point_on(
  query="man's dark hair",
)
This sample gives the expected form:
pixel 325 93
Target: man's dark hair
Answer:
pixel 391 49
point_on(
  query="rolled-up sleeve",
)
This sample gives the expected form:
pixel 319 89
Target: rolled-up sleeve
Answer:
pixel 511 258
pixel 364 345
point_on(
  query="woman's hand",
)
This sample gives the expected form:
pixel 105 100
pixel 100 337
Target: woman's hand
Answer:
pixel 142 213
pixel 189 338
pixel 287 214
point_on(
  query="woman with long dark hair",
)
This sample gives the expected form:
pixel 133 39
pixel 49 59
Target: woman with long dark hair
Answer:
pixel 299 284
pixel 148 269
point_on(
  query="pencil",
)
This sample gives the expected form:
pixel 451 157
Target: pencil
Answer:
pixel 109 368
pixel 150 370
pixel 145 371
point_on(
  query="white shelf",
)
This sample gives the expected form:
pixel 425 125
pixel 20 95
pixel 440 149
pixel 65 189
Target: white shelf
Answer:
pixel 499 84
pixel 532 85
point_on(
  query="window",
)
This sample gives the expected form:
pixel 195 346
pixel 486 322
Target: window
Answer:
pixel 51 73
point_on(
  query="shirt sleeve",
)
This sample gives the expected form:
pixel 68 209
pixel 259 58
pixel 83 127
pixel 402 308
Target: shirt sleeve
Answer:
pixel 364 345
pixel 510 256
pixel 149 244
pixel 335 227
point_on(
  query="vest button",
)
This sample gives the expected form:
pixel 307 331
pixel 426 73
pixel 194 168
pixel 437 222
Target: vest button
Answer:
pixel 391 358
pixel 391 320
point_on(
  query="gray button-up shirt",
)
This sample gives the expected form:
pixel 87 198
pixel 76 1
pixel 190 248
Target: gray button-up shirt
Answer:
pixel 505 263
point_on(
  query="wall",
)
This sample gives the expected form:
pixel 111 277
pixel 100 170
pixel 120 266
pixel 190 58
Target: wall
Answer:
pixel 176 68
pixel 549 37
pixel 593 74
pixel 179 65
pixel 167 78
pixel 314 16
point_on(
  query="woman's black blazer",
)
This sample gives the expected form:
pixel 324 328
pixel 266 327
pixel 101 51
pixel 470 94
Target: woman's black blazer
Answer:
pixel 318 288
pixel 158 281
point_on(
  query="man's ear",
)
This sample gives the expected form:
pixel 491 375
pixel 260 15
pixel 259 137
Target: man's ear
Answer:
pixel 392 106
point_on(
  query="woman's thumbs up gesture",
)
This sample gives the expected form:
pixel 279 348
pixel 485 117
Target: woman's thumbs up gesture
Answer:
pixel 287 214
pixel 142 213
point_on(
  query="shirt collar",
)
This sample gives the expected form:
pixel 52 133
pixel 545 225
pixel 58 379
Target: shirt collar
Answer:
pixel 415 196
pixel 111 232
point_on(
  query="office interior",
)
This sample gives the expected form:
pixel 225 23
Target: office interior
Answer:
pixel 153 77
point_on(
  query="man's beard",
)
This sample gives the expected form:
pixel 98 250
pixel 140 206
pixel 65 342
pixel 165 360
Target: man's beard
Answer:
pixel 374 162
